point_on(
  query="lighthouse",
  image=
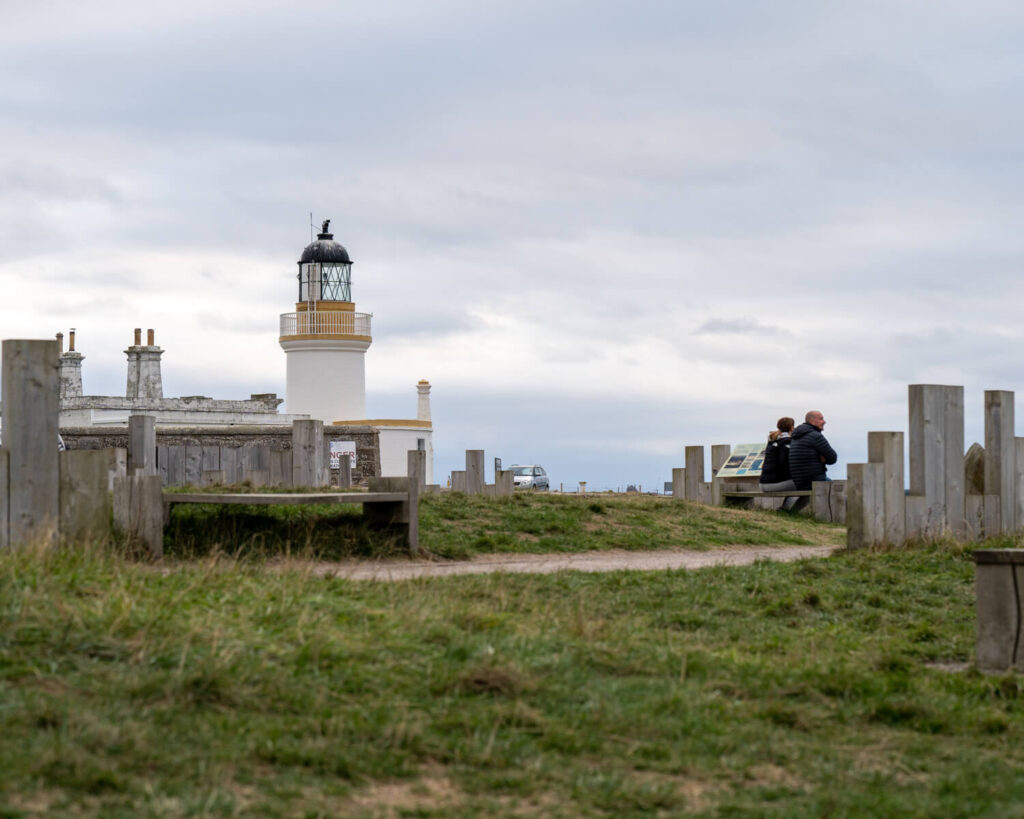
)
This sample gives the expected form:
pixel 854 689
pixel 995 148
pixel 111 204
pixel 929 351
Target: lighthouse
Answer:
pixel 325 340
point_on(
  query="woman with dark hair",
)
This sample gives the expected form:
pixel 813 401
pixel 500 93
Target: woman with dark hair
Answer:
pixel 775 471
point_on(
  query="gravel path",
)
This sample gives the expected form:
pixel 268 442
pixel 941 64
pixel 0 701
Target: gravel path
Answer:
pixel 609 561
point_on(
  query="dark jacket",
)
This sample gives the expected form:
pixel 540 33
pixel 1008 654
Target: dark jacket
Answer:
pixel 776 461
pixel 805 456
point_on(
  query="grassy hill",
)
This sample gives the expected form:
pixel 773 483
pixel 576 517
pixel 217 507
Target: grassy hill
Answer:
pixel 454 525
pixel 217 687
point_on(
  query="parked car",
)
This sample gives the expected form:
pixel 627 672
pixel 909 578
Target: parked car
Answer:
pixel 530 476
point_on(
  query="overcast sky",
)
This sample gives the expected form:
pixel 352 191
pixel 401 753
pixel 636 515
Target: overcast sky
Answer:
pixel 602 230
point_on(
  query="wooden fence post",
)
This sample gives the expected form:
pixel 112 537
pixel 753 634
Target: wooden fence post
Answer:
pixel 1018 482
pixel 4 498
pixel 953 460
pixel 142 445
pixel 418 467
pixel 458 480
pixel 345 471
pixel 719 455
pixel 926 452
pixel 31 394
pixel 84 498
pixel 865 505
pixel 886 448
pixel 117 465
pixel 504 480
pixel 679 482
pixel 139 510
pixel 694 472
pixel 307 453
pixel 1000 456
pixel 474 471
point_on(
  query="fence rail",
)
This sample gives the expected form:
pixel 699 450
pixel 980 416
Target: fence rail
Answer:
pixel 326 323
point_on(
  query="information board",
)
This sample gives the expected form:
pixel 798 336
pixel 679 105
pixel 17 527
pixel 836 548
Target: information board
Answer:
pixel 745 460
pixel 339 448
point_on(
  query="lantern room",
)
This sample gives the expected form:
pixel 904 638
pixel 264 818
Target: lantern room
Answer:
pixel 325 270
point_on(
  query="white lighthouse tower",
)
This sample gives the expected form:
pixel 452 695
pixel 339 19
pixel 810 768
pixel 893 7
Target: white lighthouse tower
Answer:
pixel 325 340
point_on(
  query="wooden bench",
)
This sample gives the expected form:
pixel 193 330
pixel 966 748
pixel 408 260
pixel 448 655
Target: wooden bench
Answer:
pixel 142 509
pixel 385 509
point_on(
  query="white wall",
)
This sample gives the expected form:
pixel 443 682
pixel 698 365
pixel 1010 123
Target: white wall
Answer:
pixel 395 443
pixel 326 379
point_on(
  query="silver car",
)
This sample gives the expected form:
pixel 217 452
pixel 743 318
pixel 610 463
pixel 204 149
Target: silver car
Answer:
pixel 530 476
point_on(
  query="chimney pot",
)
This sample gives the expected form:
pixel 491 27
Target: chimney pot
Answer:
pixel 71 340
pixel 138 336
pixel 60 341
pixel 149 338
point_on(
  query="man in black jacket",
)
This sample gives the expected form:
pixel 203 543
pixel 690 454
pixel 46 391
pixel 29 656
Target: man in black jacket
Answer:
pixel 810 454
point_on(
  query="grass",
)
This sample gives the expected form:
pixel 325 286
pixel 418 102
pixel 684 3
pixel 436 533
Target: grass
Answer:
pixel 226 688
pixel 454 525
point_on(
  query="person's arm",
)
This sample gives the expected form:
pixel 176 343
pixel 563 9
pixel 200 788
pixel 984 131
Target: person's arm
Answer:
pixel 828 455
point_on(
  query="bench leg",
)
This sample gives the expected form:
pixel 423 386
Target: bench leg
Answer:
pixel 400 515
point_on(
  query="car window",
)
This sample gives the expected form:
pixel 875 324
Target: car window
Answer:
pixel 541 472
pixel 521 470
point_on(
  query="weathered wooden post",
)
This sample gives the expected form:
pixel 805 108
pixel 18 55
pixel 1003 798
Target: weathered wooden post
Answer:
pixel 139 510
pixel 694 472
pixel 927 450
pixel 307 453
pixel 31 393
pixel 936 446
pixel 142 445
pixel 418 467
pixel 679 482
pixel 719 455
pixel 474 471
pixel 84 497
pixel 953 439
pixel 865 505
pixel 504 480
pixel 458 480
pixel 345 471
pixel 1000 456
pixel 1019 481
pixel 4 497
pixel 886 448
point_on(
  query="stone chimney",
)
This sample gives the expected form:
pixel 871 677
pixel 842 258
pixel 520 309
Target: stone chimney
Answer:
pixel 144 379
pixel 423 402
pixel 70 367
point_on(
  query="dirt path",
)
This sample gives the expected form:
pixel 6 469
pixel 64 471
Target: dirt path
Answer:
pixel 582 562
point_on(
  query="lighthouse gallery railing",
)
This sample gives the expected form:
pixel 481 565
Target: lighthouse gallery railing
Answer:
pixel 334 322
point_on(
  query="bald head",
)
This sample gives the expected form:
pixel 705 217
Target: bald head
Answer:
pixel 815 419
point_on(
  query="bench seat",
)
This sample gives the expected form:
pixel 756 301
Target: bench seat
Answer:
pixel 792 493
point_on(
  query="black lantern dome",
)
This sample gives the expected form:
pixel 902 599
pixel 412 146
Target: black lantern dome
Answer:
pixel 325 249
pixel 325 270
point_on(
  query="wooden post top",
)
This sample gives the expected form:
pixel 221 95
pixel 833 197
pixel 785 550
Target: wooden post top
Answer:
pixel 999 556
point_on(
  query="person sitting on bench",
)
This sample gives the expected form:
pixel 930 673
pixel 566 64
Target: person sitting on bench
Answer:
pixel 775 471
pixel 810 454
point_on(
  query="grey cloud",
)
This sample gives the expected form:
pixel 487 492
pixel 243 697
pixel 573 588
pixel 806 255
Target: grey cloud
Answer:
pixel 608 174
pixel 738 326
